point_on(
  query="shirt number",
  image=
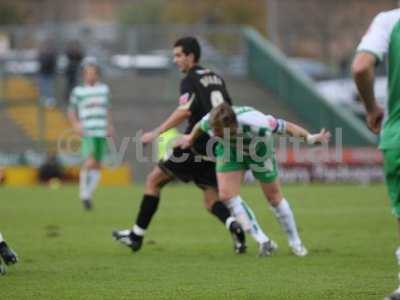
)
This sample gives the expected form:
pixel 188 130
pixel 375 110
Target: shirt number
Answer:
pixel 216 98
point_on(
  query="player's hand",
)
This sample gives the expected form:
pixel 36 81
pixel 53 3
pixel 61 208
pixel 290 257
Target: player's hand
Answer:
pixel 111 132
pixel 148 137
pixel 78 129
pixel 322 137
pixel 374 119
pixel 184 142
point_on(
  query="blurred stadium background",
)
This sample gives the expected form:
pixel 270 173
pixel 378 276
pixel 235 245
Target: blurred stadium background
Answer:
pixel 272 56
pixel 290 58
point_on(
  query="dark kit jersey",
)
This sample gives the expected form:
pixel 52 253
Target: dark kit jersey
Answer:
pixel 201 90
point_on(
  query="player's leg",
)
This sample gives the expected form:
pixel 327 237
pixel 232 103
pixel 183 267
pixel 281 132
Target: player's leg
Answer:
pixel 395 295
pixel 6 254
pixel 93 150
pixel 246 217
pixel 88 180
pixel 133 238
pixel 87 174
pixel 206 179
pixel 219 210
pixel 266 172
pixel 178 165
pixel 99 153
pixel 216 207
pixel 283 212
pixel 391 166
pixel 84 182
pixel 229 192
pixel 230 168
pixel 156 179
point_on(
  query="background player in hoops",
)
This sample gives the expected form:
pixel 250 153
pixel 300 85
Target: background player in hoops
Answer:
pixel 90 115
pixel 201 89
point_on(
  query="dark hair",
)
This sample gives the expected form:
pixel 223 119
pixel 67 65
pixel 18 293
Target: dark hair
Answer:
pixel 222 116
pixel 189 45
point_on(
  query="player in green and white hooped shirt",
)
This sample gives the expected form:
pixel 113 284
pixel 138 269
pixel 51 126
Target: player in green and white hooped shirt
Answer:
pixel 383 38
pixel 245 143
pixel 90 115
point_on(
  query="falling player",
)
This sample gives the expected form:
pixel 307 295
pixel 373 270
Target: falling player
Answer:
pixel 245 143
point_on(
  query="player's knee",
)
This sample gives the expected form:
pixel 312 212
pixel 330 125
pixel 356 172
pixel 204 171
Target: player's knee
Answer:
pixel 153 182
pixel 274 201
pixel 91 163
pixel 274 197
pixel 225 195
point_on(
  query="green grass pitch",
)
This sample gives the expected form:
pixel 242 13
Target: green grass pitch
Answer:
pixel 66 253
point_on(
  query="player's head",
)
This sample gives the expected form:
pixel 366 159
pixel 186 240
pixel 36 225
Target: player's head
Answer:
pixel 187 53
pixel 223 119
pixel 90 70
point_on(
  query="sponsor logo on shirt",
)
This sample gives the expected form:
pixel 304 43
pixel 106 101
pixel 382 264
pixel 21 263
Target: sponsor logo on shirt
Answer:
pixel 184 99
pixel 271 122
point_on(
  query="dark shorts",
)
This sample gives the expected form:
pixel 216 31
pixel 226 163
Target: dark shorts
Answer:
pixel 186 166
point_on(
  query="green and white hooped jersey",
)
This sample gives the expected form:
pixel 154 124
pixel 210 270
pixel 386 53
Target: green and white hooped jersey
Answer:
pixel 383 38
pixel 253 127
pixel 91 104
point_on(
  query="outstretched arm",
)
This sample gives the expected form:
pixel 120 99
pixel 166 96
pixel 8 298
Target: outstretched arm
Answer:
pixel 187 140
pixel 297 131
pixel 280 126
pixel 176 118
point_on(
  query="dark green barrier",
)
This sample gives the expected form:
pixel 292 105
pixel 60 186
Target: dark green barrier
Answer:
pixel 267 65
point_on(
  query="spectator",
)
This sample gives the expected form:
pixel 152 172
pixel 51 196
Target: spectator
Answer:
pixel 47 73
pixel 50 169
pixel 75 54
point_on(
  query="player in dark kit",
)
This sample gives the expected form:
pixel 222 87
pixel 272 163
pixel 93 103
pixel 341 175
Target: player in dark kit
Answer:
pixel 201 90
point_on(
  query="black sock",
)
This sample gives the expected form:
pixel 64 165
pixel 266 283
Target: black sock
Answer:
pixel 148 207
pixel 220 211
